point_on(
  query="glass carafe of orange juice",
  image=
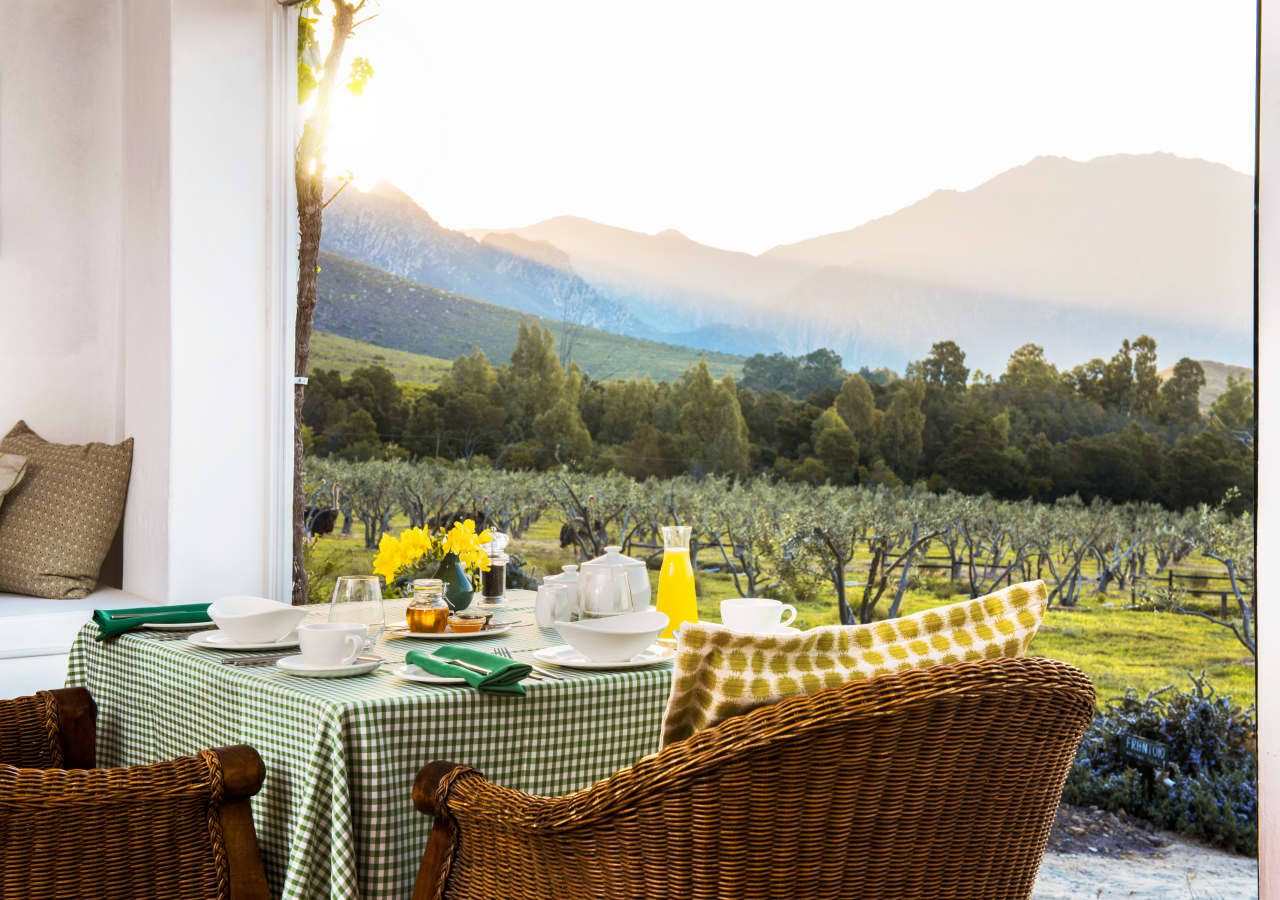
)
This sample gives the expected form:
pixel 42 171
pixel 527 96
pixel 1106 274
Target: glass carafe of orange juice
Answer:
pixel 676 595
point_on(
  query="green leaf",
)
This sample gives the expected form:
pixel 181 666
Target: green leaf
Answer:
pixel 361 72
pixel 306 81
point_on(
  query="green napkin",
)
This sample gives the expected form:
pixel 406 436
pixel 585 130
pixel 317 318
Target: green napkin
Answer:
pixel 117 621
pixel 504 674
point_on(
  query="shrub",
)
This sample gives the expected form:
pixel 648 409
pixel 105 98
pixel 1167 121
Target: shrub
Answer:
pixel 1208 786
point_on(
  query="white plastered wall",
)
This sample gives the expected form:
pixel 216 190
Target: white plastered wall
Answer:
pixel 134 280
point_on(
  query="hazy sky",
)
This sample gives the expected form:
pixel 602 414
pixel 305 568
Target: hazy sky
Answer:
pixel 748 124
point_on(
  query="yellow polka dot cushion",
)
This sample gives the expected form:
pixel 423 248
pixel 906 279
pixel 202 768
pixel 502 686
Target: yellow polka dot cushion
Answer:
pixel 57 523
pixel 719 673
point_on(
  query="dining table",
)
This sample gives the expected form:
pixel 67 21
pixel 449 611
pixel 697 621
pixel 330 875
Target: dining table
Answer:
pixel 335 816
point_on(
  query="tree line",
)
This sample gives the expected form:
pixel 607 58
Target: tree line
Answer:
pixel 1108 428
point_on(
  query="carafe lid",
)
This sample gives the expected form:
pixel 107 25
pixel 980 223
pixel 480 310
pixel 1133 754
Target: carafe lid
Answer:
pixel 676 537
pixel 612 558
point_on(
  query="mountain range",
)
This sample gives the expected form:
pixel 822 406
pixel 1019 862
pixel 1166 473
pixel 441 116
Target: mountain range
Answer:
pixel 1075 256
pixel 385 228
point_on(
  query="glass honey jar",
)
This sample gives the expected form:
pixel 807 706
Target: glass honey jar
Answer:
pixel 428 613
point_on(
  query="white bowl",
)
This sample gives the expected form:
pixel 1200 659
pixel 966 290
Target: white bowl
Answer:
pixel 616 638
pixel 255 620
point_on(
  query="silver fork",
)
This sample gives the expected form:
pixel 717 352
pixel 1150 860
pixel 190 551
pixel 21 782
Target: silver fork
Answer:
pixel 536 673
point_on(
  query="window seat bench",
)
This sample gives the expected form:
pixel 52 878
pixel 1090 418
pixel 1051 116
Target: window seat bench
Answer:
pixel 36 636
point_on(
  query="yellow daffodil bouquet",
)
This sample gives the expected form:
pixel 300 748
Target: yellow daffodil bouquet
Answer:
pixel 418 553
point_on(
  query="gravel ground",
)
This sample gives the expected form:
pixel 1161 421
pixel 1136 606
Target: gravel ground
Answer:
pixel 1095 855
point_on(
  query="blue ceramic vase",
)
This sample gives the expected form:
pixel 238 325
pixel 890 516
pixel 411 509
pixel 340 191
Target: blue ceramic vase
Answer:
pixel 458 589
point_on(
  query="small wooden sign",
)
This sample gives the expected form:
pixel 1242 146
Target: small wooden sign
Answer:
pixel 1145 750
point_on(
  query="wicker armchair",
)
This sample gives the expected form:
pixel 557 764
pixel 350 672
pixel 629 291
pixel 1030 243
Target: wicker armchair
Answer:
pixel 177 829
pixel 936 783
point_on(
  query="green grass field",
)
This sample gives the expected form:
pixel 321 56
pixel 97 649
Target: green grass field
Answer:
pixel 1116 647
pixel 331 351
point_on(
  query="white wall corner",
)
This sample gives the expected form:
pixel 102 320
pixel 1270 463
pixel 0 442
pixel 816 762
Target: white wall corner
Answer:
pixel 1268 533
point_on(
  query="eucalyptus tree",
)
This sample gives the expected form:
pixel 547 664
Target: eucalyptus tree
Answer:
pixel 752 523
pixel 899 523
pixel 1229 540
pixel 426 491
pixel 1124 532
pixel 689 501
pixel 599 509
pixel 999 533
pixel 514 501
pixel 374 491
pixel 949 513
pixel 1072 538
pixel 318 74
pixel 832 535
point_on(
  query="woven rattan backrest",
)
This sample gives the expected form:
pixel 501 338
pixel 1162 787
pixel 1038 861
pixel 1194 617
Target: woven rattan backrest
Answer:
pixel 29 732
pixel 936 783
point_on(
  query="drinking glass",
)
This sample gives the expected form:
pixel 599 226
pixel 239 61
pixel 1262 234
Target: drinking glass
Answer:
pixel 357 599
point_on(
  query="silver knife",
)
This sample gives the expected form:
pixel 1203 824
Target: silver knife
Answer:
pixel 462 665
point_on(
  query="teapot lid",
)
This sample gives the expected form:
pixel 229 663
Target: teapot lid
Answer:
pixel 612 558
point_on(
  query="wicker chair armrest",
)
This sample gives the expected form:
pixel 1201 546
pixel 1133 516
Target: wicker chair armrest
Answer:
pixel 431 786
pixel 192 811
pixel 241 776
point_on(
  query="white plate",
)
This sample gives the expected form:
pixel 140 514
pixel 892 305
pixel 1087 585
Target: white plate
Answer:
pixel 218 640
pixel 295 666
pixel 410 672
pixel 496 631
pixel 566 656
pixel 176 626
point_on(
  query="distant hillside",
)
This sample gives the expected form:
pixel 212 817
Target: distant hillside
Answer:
pixel 665 280
pixel 331 351
pixel 1215 379
pixel 385 228
pixel 366 304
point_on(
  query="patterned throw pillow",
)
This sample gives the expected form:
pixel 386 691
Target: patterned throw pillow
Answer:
pixel 12 468
pixel 719 674
pixel 56 527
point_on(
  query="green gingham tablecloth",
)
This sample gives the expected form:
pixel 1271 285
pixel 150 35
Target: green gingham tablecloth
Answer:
pixel 335 817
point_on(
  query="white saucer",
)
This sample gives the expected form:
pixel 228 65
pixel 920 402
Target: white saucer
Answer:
pixel 495 631
pixel 177 626
pixel 410 672
pixel 564 655
pixel 780 630
pixel 219 640
pixel 295 666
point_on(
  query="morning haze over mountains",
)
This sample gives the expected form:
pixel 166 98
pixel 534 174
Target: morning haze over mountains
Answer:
pixel 1075 256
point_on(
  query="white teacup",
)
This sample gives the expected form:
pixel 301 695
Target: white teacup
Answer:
pixel 330 643
pixel 756 614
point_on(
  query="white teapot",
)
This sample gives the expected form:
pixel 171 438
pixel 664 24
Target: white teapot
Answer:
pixel 612 585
